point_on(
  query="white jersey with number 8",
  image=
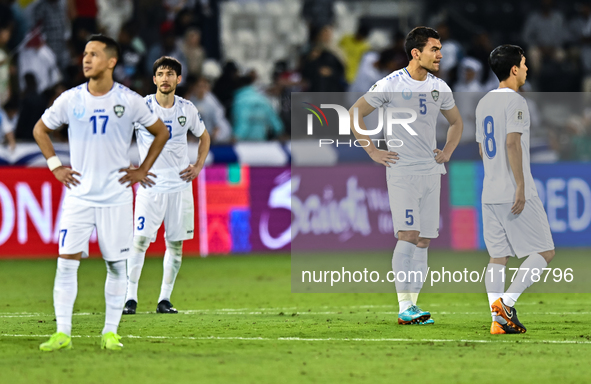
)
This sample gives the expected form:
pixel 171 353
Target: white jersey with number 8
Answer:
pixel 500 112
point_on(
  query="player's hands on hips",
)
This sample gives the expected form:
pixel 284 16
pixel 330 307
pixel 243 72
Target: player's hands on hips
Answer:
pixel 137 175
pixel 440 156
pixel 66 176
pixel 190 173
pixel 384 157
pixel 519 203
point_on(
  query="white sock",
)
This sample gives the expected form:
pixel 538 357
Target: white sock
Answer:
pixel 135 263
pixel 418 263
pixel 494 280
pixel 524 278
pixel 65 289
pixel 114 294
pixel 401 263
pixel 172 263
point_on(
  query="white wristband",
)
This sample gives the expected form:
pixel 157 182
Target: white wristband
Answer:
pixel 53 162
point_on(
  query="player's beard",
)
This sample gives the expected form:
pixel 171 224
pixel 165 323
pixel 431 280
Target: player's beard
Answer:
pixel 168 91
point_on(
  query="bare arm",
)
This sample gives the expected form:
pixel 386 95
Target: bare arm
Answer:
pixel 192 171
pixel 514 153
pixel 158 129
pixel 63 174
pixel 377 155
pixel 454 134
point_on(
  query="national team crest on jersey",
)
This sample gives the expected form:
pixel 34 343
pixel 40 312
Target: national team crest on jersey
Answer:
pixel 406 94
pixel 435 94
pixel 182 120
pixel 119 110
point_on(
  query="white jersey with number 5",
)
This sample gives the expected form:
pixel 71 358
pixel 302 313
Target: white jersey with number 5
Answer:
pixel 100 132
pixel 180 118
pixel 500 112
pixel 426 98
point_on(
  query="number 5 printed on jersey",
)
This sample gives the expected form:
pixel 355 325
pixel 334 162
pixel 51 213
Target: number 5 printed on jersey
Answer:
pixel 490 145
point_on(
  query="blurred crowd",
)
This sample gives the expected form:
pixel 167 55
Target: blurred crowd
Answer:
pixel 41 45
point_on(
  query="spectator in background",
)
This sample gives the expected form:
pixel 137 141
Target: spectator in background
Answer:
pixel 193 51
pixel 451 51
pixel 544 34
pixel 39 61
pixel 480 50
pixel 318 12
pixel 184 21
pixel 7 130
pixel 226 86
pixel 33 105
pixel 133 52
pixel 6 25
pixel 173 7
pixel 52 17
pixel 21 24
pixel 323 66
pixel 581 32
pixel 354 47
pixel 253 116
pixel 83 14
pixel 166 47
pixel 112 14
pixel 374 67
pixel 212 112
pixel 467 92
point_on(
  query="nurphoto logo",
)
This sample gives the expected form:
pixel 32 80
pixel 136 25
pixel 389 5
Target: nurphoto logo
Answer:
pixel 394 116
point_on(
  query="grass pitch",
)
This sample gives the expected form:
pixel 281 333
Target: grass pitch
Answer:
pixel 241 324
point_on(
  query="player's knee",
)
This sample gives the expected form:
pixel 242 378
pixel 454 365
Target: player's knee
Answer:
pixel 116 269
pixel 175 248
pixel 499 260
pixel 548 255
pixel 423 243
pixel 141 244
pixel 409 236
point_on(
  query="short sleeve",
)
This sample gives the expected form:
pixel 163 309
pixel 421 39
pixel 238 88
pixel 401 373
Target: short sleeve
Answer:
pixel 378 95
pixel 517 115
pixel 143 114
pixel 447 98
pixel 198 127
pixel 57 115
pixel 479 125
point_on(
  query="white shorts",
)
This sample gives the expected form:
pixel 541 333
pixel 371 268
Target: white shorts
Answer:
pixel 175 209
pixel 114 227
pixel 506 234
pixel 414 202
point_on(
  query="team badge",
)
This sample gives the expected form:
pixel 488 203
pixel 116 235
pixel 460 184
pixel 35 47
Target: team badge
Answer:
pixel 182 120
pixel 406 94
pixel 435 94
pixel 519 115
pixel 119 110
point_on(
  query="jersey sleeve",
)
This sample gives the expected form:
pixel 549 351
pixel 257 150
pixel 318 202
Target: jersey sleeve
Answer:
pixel 57 115
pixel 142 114
pixel 479 124
pixel 447 98
pixel 517 115
pixel 378 94
pixel 198 127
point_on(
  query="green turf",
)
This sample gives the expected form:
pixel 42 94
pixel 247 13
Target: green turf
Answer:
pixel 231 302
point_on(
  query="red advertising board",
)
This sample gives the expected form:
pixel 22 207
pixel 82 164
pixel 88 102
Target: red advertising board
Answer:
pixel 30 207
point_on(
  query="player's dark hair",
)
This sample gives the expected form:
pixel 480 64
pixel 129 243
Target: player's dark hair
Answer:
pixel 112 48
pixel 503 58
pixel 417 38
pixel 167 62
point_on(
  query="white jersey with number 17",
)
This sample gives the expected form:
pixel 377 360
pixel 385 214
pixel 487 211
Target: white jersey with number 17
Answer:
pixel 180 118
pixel 100 132
pixel 500 112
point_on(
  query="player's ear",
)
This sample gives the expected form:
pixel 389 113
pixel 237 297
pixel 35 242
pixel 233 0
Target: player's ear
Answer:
pixel 112 62
pixel 154 79
pixel 415 53
pixel 178 79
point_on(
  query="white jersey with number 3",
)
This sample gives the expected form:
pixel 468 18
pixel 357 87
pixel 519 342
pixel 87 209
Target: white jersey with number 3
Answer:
pixel 180 118
pixel 100 132
pixel 426 98
pixel 500 112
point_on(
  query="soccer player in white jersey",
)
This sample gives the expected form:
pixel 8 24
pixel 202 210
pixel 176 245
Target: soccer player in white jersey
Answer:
pixel 414 164
pixel 514 220
pixel 100 115
pixel 171 199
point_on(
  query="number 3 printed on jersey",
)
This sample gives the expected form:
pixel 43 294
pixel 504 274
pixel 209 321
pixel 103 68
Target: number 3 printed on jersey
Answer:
pixel 490 145
pixel 169 127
